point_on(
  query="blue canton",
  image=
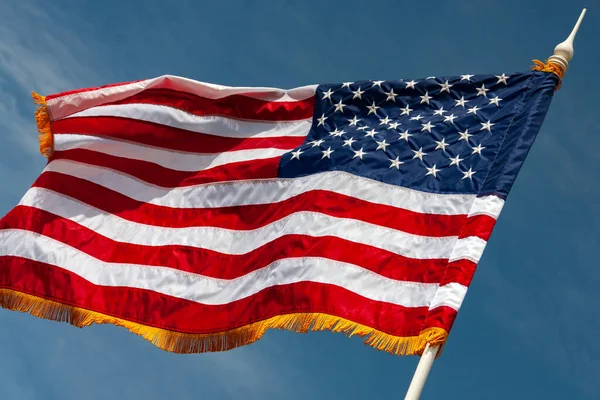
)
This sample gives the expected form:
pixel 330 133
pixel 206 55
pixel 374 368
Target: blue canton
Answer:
pixel 466 134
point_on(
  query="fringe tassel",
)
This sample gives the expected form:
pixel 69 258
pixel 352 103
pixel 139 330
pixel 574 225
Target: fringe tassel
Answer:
pixel 42 118
pixel 178 342
pixel 549 67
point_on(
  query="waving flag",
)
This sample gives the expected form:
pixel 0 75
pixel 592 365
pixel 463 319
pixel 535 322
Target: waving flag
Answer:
pixel 199 216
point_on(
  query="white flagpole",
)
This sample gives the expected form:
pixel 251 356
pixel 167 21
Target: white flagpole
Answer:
pixel 421 373
pixel 563 53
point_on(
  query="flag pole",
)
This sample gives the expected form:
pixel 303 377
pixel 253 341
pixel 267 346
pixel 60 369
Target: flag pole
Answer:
pixel 421 373
pixel 563 53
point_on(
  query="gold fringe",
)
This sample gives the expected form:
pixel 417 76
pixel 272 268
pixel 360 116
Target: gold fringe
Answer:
pixel 178 342
pixel 42 118
pixel 549 67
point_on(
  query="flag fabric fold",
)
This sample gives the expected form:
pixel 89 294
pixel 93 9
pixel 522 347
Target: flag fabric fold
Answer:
pixel 199 216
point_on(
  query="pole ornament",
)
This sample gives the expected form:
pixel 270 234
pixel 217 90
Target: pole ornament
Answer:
pixel 558 63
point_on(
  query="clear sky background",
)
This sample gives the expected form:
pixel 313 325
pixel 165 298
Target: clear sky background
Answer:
pixel 529 326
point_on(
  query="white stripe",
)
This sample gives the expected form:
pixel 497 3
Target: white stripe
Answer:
pixel 469 248
pixel 210 125
pixel 174 160
pixel 487 205
pixel 450 295
pixel 212 291
pixel 238 193
pixel 72 103
pixel 230 241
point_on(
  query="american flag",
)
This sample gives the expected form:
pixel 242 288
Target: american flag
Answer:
pixel 199 215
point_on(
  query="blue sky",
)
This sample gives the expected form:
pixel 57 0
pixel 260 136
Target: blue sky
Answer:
pixel 529 325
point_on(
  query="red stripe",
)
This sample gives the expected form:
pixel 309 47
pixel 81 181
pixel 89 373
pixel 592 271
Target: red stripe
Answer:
pixel 460 271
pixel 441 317
pixel 167 137
pixel 158 310
pixel 250 217
pixel 90 89
pixel 155 174
pixel 234 106
pixel 226 266
pixel 480 226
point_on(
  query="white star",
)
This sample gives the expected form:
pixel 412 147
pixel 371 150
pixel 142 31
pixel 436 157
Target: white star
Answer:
pixel 353 121
pixel 450 118
pixel 377 83
pixel 461 102
pixel 481 91
pixel 469 174
pixel 465 135
pixel 340 106
pixel 381 145
pixel 427 127
pixel 362 128
pixel 486 126
pixel 394 125
pixel 396 162
pixel 419 154
pixel 440 112
pixel 473 110
pixel 327 153
pixel 296 154
pixel 391 95
pixel 466 77
pixel 322 120
pixel 418 117
pixel 496 100
pixel 316 143
pixel 456 160
pixel 371 133
pixel 502 78
pixel 327 94
pixel 405 135
pixel 349 142
pixel 410 84
pixel 477 149
pixel 441 144
pixel 425 98
pixel 406 110
pixel 337 132
pixel 384 121
pixel 358 94
pixel 360 153
pixel 432 171
pixel 445 87
pixel 373 109
pixel 347 84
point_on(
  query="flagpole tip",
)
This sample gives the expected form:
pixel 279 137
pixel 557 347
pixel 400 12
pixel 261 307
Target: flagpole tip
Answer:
pixel 563 52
